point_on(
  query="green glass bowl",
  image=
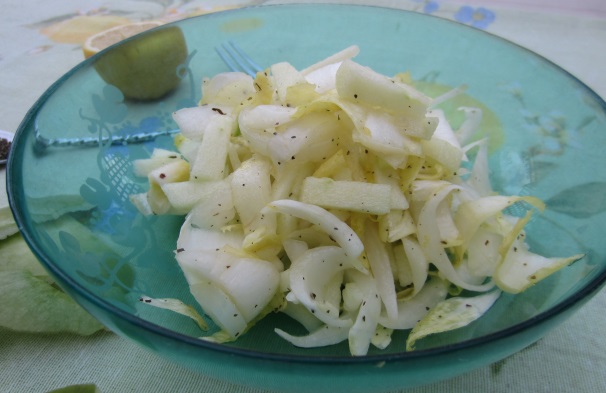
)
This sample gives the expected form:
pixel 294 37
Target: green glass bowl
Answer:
pixel 547 129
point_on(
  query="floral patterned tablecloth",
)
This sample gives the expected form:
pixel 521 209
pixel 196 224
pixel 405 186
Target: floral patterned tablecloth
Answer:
pixel 41 40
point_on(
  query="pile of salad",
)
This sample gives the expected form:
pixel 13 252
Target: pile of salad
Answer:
pixel 341 197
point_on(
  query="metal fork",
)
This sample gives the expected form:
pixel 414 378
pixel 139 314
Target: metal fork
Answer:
pixel 232 55
pixel 236 59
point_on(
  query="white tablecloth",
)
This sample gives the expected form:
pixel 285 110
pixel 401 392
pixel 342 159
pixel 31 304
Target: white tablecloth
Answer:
pixel 40 40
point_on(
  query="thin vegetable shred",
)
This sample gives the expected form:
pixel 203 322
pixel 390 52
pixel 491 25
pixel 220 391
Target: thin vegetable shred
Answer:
pixel 341 197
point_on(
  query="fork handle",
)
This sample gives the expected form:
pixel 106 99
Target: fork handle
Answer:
pixel 42 143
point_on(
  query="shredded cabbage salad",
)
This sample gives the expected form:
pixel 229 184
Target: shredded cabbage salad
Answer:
pixel 341 197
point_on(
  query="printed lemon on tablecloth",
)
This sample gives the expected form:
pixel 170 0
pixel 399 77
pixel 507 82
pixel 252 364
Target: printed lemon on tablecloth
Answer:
pixel 144 67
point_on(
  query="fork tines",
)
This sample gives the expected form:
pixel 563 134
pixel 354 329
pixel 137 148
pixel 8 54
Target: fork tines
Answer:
pixel 236 59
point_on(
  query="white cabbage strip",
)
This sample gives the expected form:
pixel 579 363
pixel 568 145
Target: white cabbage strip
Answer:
pixel 341 197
